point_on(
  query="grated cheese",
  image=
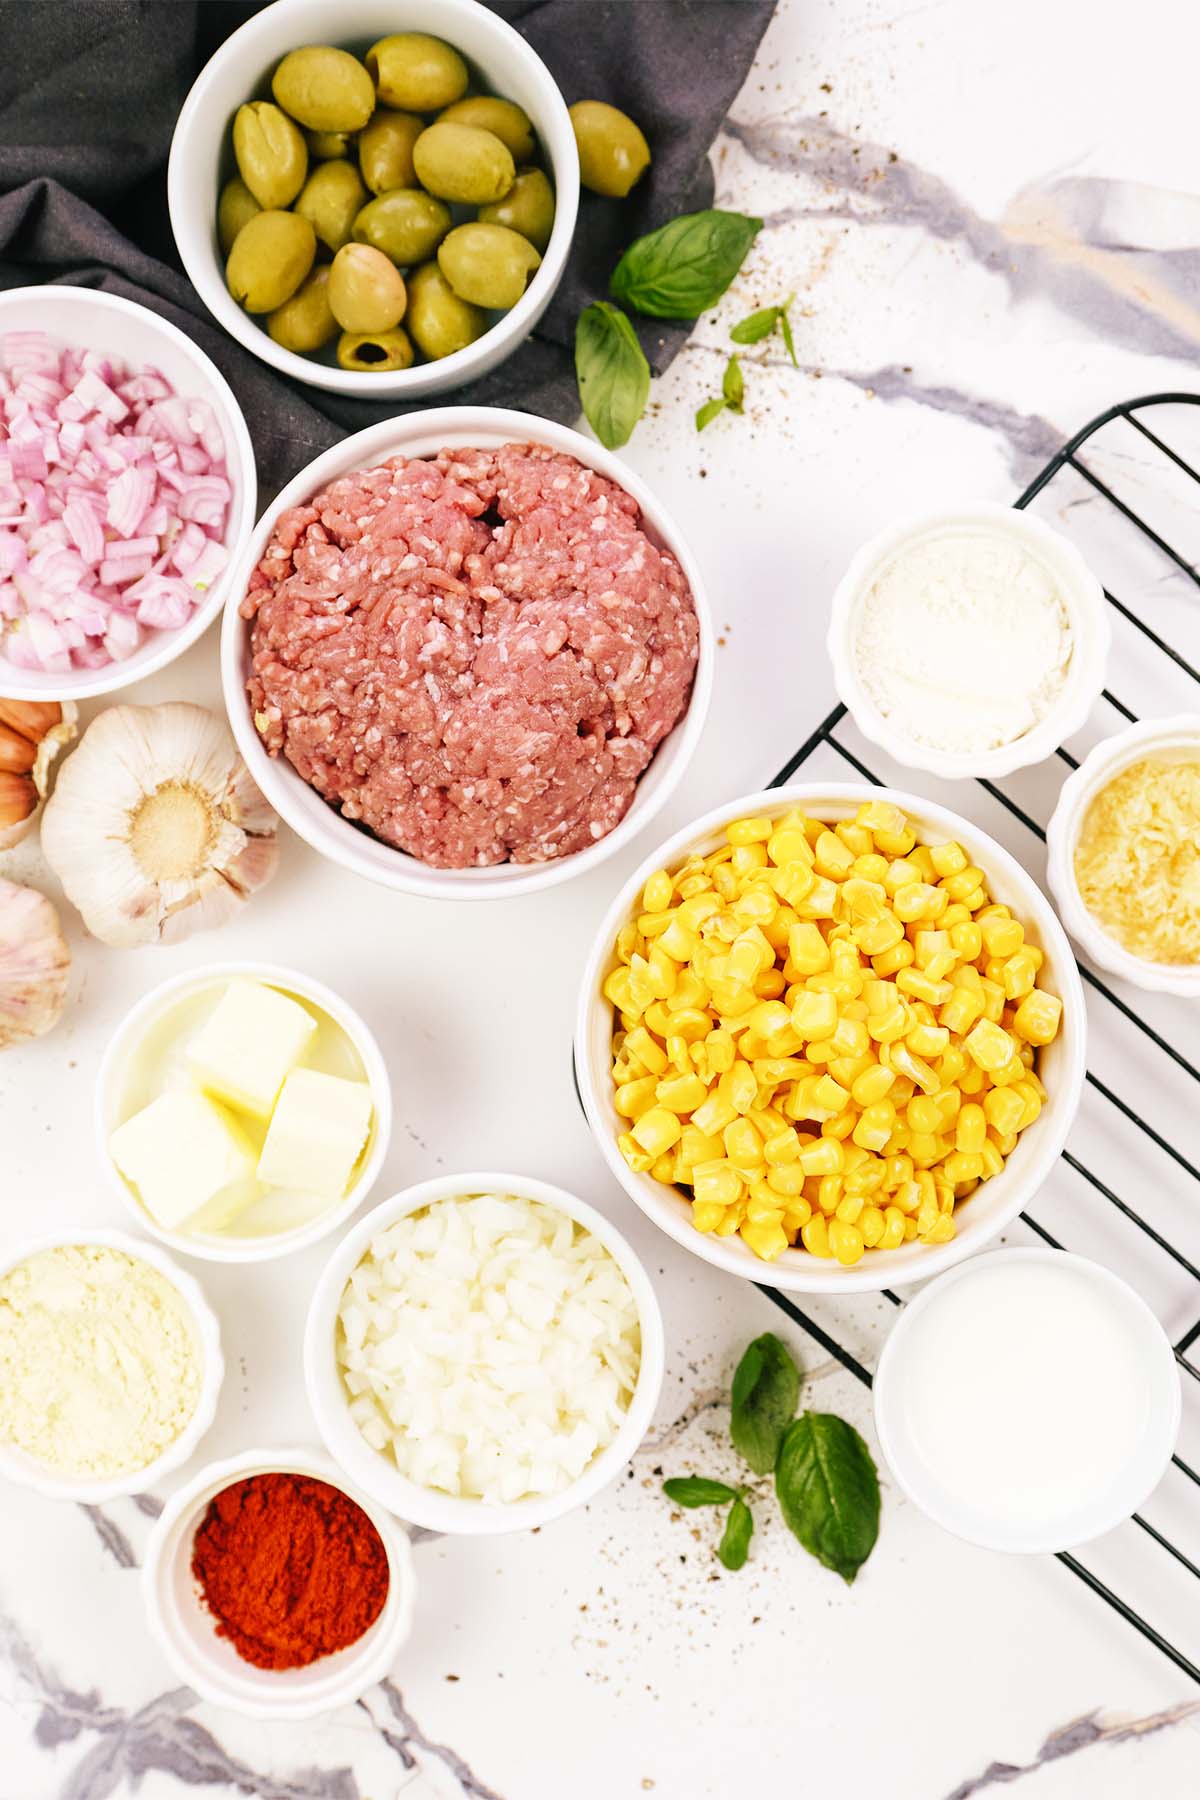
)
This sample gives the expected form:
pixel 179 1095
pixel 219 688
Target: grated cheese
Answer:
pixel 1137 863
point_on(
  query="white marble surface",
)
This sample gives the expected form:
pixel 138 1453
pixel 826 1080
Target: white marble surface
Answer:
pixel 980 213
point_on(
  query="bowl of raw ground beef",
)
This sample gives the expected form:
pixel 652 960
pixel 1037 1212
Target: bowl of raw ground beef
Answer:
pixel 466 654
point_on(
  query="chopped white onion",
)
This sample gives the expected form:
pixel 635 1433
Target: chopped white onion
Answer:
pixel 491 1345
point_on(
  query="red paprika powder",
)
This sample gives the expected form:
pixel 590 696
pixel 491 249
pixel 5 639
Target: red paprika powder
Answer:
pixel 290 1567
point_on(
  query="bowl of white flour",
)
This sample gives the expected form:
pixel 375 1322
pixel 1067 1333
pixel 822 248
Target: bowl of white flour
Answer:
pixel 970 642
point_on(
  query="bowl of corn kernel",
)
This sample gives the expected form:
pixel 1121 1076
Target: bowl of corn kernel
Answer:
pixel 831 1038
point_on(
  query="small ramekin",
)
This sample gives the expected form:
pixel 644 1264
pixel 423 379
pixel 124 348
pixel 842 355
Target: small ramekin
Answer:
pixel 15 1466
pixel 1138 1480
pixel 378 1475
pixel 202 158
pixel 225 1246
pixel 1152 739
pixel 87 318
pixel 995 1203
pixel 207 1662
pixel 1086 608
pixel 321 825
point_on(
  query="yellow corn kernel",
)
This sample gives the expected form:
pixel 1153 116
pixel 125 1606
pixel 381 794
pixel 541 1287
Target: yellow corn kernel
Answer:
pixel 831 857
pixel 706 1215
pixel 872 1085
pixel 743 1146
pixel 1038 1017
pixel 664 1169
pixel 749 831
pixel 781 1148
pixel 951 1064
pixel 896 1169
pixel 928 1041
pixel 888 1026
pixel 871 1224
pixel 717 1112
pixel 866 1177
pixel 716 1182
pixel 696 1146
pixel 967 939
pixel 940 1232
pixel 1002 936
pixel 1020 972
pixel 815 1236
pixel 681 1093
pixel 893 1229
pixel 961 1010
pixel 615 989
pixel 849 1209
pixel 917 983
pixel 970 1130
pixel 796 1215
pixel 815 1015
pixel 870 866
pixel 734 1218
pixel 1032 1102
pixel 918 900
pixel 648 1051
pixel 808 953
pixel 825 1157
pixel 761 1203
pixel 898 957
pixel 993 1000
pixel 639 1160
pixel 876 936
pixel 850 1037
pixel 788 845
pixel 925 1148
pixel 820 901
pixel 907 1197
pixel 846 1242
pixel 786 1180
pixel 927 1216
pixel 829 1194
pixel 989 1046
pixel 766 1238
pixel 962 1166
pixel 739 1087
pixel 881 815
pixel 856 837
pixel 863 900
pixel 658 892
pixel 902 872
pixel 905 1063
pixel 633 1098
pixel 657 1130
pixel 874 1126
pixel 963 884
pixel 922 1114
pixel 829 1094
pixel 1003 1109
pixel 972 1081
pixel 948 859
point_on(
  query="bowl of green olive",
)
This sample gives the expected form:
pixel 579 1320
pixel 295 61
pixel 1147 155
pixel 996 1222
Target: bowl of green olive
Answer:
pixel 376 197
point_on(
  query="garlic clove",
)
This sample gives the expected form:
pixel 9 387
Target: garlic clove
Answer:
pixel 155 829
pixel 32 732
pixel 35 964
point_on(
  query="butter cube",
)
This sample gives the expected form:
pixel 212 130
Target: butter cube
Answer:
pixel 252 1040
pixel 316 1133
pixel 180 1153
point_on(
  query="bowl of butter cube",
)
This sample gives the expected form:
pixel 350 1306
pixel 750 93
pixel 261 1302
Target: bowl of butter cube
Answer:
pixel 243 1111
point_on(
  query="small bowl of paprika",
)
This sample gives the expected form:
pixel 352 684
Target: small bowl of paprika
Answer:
pixel 275 1589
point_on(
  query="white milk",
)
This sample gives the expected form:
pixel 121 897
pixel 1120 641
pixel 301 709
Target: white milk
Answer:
pixel 1023 1392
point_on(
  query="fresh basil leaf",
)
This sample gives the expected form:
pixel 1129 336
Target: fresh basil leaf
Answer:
pixel 828 1491
pixel 683 268
pixel 697 1490
pixel 708 412
pixel 785 326
pixel 733 386
pixel 766 1386
pixel 757 326
pixel 612 373
pixel 734 1546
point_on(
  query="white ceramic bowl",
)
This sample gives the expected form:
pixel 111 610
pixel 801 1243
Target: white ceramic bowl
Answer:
pixel 378 1475
pixel 1139 1475
pixel 105 322
pixel 995 1203
pixel 423 434
pixel 186 1630
pixel 1152 740
pixel 111 1109
pixel 16 1466
pixel 202 159
pixel 1086 608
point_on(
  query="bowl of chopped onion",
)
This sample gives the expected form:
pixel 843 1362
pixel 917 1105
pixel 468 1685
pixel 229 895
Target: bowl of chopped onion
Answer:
pixel 483 1353
pixel 127 491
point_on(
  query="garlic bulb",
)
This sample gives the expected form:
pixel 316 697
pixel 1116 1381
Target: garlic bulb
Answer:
pixel 32 732
pixel 155 828
pixel 34 964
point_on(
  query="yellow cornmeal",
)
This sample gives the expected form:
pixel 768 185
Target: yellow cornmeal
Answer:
pixel 1137 863
pixel 100 1362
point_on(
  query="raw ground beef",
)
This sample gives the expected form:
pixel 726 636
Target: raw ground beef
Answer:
pixel 474 655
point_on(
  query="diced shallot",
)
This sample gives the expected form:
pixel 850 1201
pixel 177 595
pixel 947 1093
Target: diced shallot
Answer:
pixel 114 496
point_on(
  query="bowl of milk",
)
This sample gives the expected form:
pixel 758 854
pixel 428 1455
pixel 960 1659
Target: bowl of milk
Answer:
pixel 1027 1400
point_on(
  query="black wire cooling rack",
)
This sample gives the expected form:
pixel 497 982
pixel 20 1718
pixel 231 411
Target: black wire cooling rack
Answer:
pixel 1128 1192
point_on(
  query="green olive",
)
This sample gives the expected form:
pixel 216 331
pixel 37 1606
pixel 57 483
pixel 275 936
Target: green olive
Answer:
pixel 528 207
pixel 305 323
pixel 416 72
pixel 366 291
pixel 385 150
pixel 489 265
pixel 272 157
pixel 330 199
pixel 236 205
pixel 439 321
pixel 324 88
pixel 271 255
pixel 375 352
pixel 503 118
pixel 461 162
pixel 613 154
pixel 324 146
pixel 408 225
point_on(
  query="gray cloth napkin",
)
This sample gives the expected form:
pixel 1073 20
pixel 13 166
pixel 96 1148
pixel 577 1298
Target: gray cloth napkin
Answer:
pixel 89 94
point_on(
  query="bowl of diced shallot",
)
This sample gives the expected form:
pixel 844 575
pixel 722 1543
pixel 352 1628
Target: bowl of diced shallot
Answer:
pixel 127 490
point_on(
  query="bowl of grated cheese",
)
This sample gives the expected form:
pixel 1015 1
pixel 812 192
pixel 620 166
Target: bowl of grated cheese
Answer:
pixel 483 1353
pixel 1123 855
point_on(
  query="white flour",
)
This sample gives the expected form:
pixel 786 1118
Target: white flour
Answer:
pixel 963 642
